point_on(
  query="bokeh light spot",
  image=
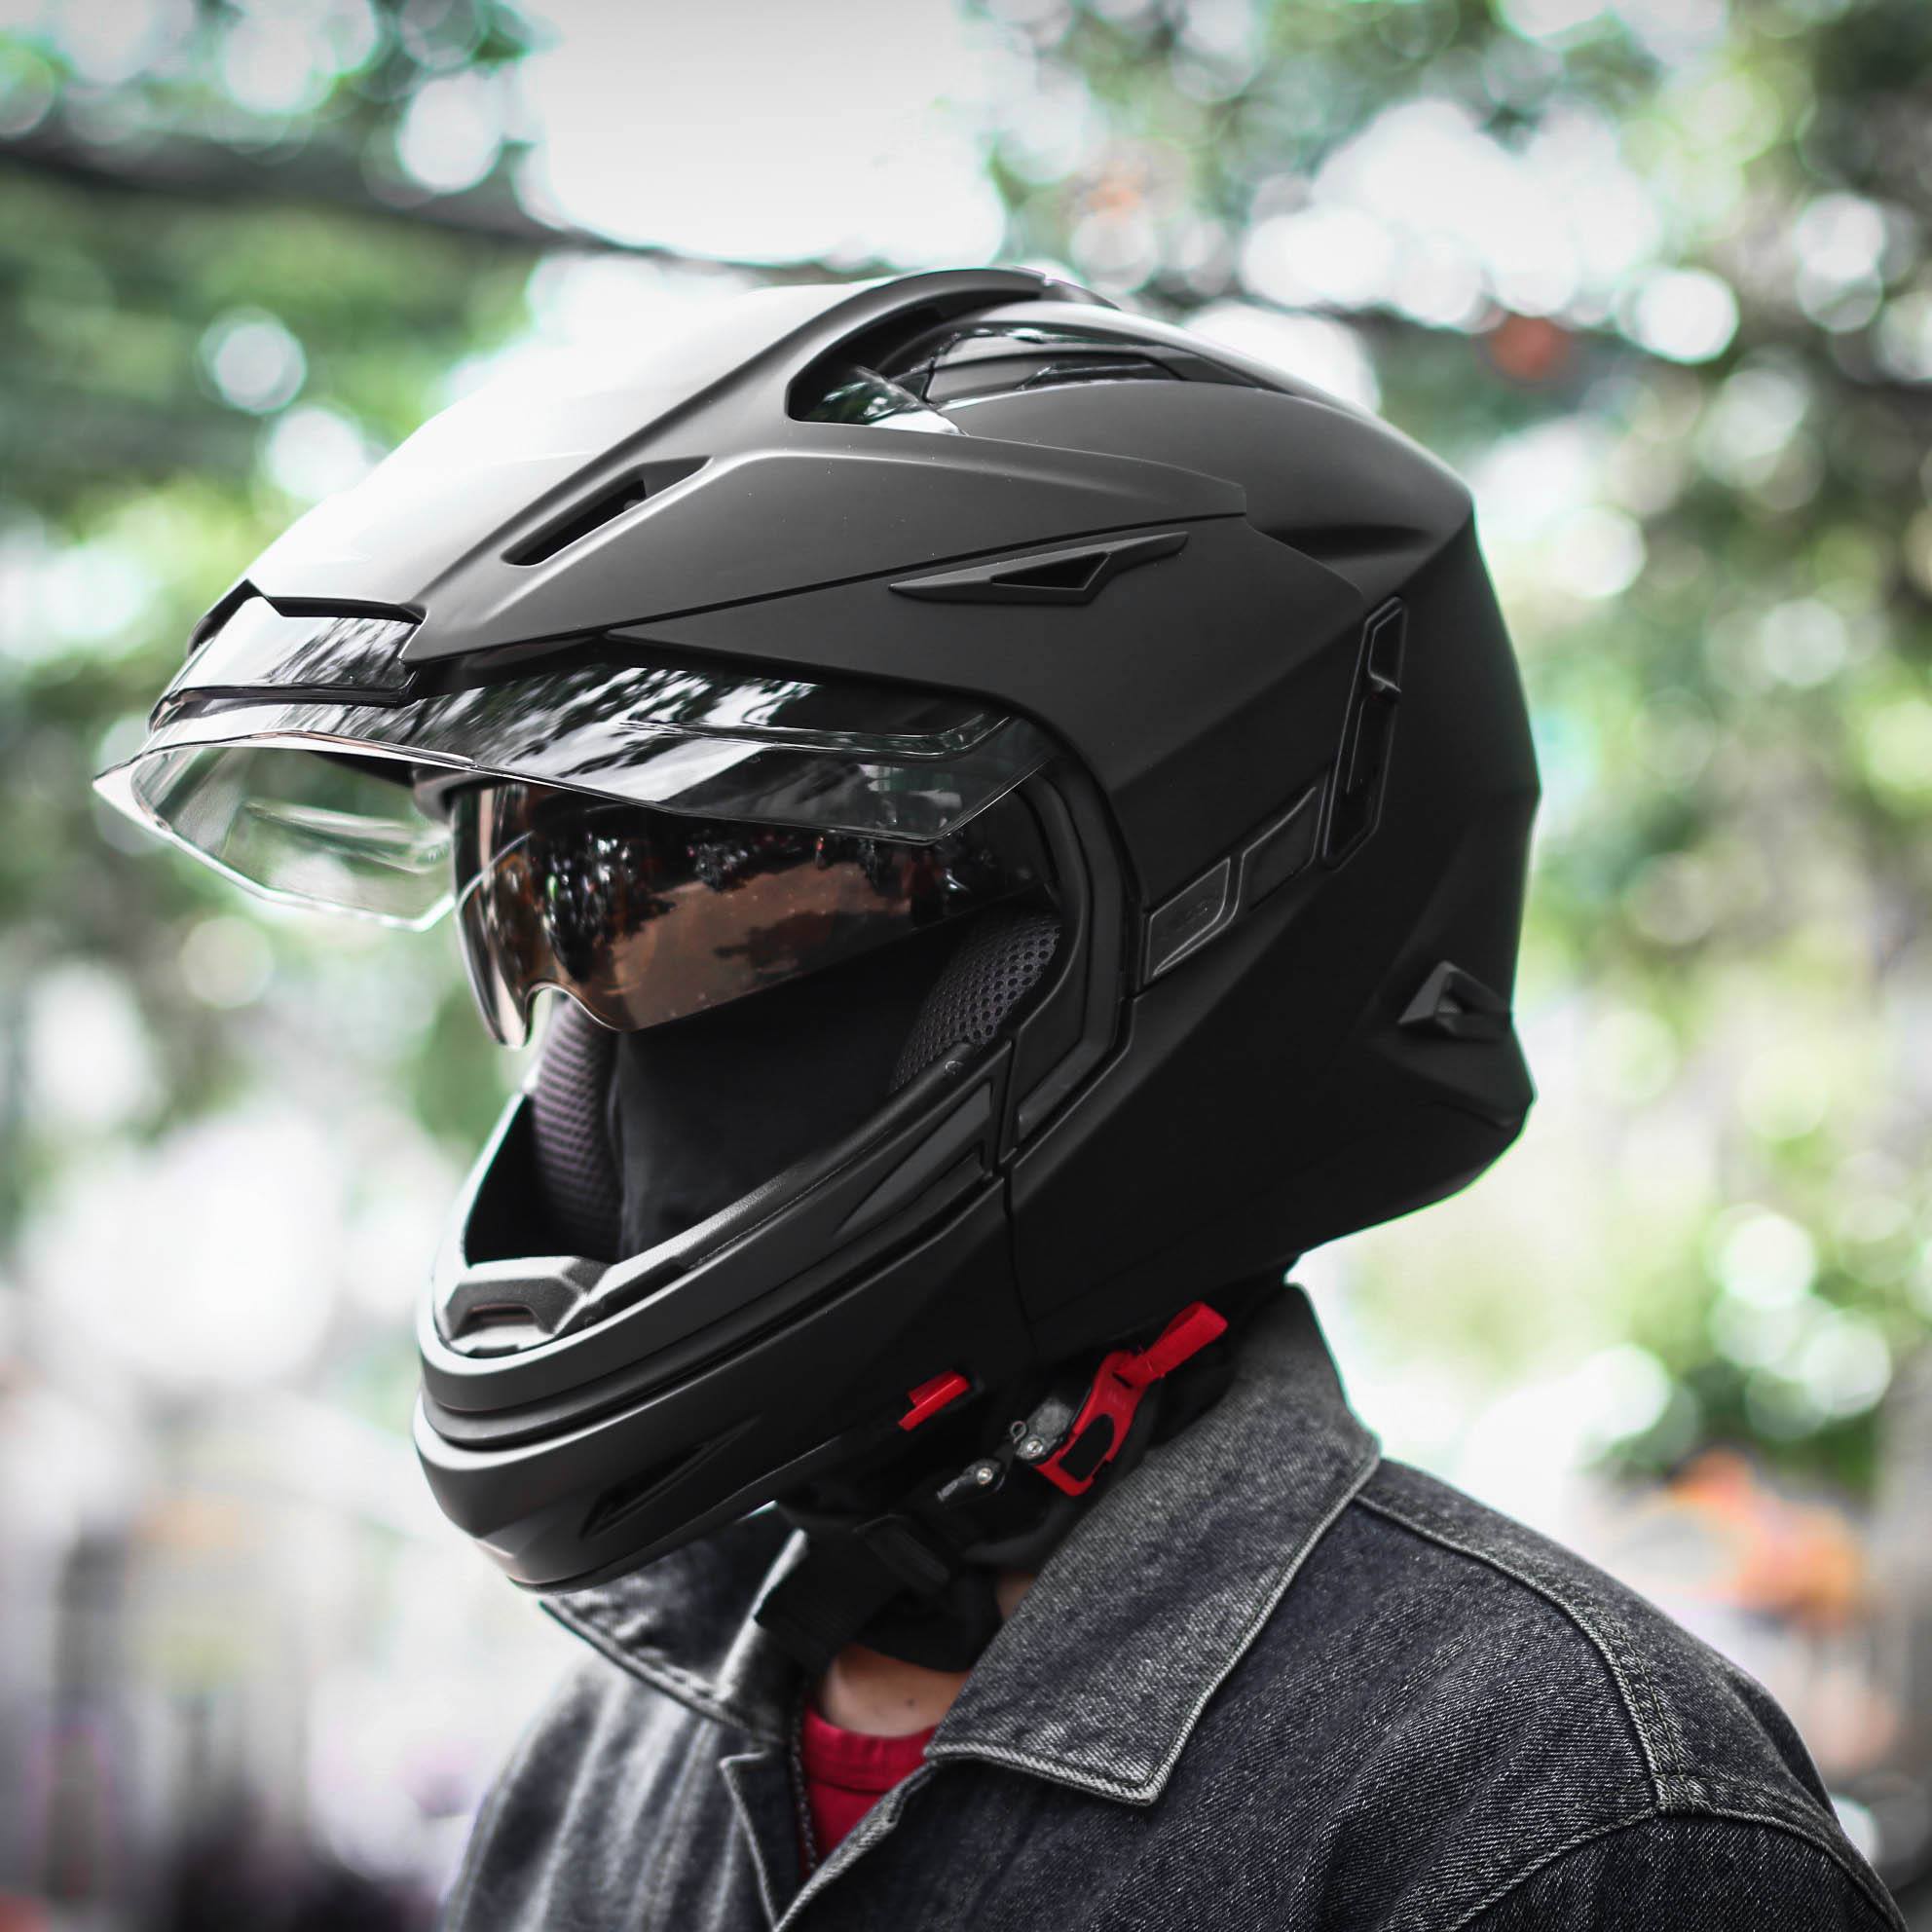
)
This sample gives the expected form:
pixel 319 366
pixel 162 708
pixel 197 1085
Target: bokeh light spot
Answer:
pixel 1684 314
pixel 1763 1259
pixel 254 361
pixel 315 451
pixel 450 137
pixel 226 962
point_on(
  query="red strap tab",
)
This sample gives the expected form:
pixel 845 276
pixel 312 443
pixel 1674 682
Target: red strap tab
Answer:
pixel 1123 1378
pixel 1187 1334
pixel 929 1398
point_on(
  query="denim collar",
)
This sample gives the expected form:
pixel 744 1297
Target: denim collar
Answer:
pixel 1099 1677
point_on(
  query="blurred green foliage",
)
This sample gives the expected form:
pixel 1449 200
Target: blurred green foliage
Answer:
pixel 208 301
pixel 134 489
pixel 1726 944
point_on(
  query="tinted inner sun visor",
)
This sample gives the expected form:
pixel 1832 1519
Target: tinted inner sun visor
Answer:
pixel 311 793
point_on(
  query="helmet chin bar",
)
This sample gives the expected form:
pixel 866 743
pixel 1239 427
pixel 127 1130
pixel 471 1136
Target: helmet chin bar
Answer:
pixel 551 1382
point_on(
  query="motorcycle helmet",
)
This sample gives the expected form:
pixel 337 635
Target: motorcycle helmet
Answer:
pixel 1022 813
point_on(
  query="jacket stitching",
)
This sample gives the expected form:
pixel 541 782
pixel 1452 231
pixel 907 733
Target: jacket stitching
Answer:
pixel 1364 1468
pixel 661 1674
pixel 727 1768
pixel 1887 1914
pixel 1429 1534
pixel 1866 1882
pixel 1775 1795
pixel 878 1824
pixel 1493 1898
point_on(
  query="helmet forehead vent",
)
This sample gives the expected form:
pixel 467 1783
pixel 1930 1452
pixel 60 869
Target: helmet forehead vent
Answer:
pixel 603 505
pixel 1074 575
pixel 883 344
pixel 862 396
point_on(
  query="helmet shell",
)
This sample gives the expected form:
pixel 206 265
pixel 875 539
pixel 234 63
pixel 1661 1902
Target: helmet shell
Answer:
pixel 1290 815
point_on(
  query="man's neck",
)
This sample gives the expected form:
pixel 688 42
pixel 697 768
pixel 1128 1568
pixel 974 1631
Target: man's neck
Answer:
pixel 882 1696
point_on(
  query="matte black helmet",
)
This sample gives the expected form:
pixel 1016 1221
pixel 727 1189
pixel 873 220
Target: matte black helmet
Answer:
pixel 1026 809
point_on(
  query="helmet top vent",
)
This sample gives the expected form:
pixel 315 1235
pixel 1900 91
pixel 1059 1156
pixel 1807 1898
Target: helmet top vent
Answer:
pixel 603 505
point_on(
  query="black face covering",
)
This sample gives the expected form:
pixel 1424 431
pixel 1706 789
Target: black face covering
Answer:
pixel 640 1135
pixel 708 1109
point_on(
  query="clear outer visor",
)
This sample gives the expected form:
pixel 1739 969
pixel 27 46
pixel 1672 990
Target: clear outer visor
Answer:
pixel 341 833
pixel 219 775
pixel 642 918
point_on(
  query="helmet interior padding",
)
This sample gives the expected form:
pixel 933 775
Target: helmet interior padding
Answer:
pixel 577 1169
pixel 993 969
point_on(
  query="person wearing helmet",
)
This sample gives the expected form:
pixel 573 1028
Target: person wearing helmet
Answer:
pixel 1025 810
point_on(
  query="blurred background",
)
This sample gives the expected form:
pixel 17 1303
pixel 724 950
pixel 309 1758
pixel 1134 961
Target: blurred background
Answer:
pixel 1656 274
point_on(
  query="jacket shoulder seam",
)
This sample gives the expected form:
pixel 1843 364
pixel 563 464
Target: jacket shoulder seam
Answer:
pixel 1659 1769
pixel 1883 1912
pixel 1733 1788
pixel 1853 1868
pixel 1556 1856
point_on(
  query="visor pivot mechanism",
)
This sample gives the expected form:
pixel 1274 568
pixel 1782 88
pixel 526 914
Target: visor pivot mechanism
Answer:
pixel 1070 1453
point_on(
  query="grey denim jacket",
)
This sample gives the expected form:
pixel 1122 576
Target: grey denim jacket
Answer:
pixel 1270 1681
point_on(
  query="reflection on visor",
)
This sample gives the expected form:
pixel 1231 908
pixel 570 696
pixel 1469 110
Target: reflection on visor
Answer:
pixel 642 918
pixel 296 824
pixel 283 782
pixel 839 756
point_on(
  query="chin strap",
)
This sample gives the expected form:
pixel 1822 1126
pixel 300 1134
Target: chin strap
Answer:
pixel 1072 1445
pixel 929 1544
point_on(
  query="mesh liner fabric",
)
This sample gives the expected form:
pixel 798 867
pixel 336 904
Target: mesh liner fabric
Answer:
pixel 576 1166
pixel 996 965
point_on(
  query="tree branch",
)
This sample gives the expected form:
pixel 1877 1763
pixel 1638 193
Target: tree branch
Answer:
pixel 188 168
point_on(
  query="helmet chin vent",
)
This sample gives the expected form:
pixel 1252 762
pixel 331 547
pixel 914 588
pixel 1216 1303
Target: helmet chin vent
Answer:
pixel 643 1485
pixel 576 1167
pixel 994 967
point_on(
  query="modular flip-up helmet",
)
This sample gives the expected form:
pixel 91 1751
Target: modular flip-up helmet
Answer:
pixel 1026 809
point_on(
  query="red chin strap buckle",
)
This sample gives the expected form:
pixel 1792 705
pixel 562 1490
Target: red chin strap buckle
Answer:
pixel 1123 1377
